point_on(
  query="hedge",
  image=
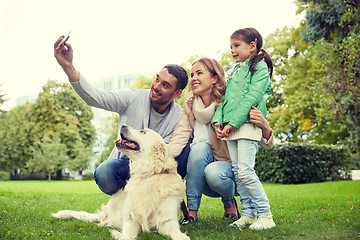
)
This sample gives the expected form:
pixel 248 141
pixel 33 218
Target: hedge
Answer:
pixel 303 163
pixel 4 176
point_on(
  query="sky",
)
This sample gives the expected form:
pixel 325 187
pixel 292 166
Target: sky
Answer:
pixel 115 37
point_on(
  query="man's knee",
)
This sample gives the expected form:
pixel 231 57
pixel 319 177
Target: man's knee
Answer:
pixel 111 175
pixel 104 171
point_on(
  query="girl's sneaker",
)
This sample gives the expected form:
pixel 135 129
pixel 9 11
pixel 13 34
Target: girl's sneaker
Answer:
pixel 263 222
pixel 241 222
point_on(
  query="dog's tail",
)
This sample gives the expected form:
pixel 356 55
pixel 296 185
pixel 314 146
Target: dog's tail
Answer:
pixel 80 215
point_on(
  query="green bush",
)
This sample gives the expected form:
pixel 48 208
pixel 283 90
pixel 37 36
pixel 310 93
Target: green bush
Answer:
pixel 302 163
pixel 29 176
pixel 4 176
pixel 88 176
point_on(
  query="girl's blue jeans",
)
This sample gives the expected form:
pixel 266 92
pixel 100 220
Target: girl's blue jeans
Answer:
pixel 254 201
pixel 112 174
pixel 204 176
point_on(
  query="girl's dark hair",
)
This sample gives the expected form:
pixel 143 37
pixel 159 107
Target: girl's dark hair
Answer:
pixel 249 35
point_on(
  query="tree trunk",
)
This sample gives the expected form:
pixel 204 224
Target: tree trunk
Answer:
pixel 49 176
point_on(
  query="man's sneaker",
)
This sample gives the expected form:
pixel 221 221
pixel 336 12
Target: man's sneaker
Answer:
pixel 241 222
pixel 263 222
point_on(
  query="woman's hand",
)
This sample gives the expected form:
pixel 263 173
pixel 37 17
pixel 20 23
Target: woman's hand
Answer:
pixel 257 118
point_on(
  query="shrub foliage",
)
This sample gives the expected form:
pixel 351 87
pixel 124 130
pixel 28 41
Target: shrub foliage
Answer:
pixel 303 163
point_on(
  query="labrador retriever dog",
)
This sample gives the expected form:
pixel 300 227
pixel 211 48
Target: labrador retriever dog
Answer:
pixel 152 196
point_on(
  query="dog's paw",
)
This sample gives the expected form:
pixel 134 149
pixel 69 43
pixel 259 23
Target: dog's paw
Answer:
pixel 118 235
pixel 181 236
pixel 63 214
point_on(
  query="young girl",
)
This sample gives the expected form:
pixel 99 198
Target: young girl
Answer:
pixel 249 85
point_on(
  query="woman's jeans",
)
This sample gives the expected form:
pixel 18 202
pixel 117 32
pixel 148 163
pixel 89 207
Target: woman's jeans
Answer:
pixel 254 201
pixel 112 174
pixel 204 176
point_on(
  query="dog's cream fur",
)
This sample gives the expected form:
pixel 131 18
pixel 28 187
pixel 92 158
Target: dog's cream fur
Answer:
pixel 152 196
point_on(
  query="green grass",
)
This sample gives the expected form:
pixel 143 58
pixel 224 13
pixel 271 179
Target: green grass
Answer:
pixel 309 211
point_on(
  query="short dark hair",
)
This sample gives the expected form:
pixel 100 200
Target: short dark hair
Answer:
pixel 180 74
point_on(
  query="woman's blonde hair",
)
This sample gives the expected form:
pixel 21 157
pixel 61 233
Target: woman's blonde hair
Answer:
pixel 216 70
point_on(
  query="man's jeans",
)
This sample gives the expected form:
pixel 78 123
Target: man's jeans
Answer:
pixel 254 201
pixel 112 174
pixel 204 176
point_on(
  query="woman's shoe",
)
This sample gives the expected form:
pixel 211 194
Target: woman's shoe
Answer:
pixel 188 220
pixel 233 216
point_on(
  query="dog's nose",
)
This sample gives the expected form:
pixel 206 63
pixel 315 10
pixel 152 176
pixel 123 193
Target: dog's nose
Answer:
pixel 124 129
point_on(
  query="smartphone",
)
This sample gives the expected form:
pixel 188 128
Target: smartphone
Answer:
pixel 64 39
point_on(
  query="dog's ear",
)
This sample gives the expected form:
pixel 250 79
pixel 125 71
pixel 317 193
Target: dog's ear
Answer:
pixel 163 160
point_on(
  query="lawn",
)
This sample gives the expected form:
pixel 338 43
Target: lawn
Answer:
pixel 328 210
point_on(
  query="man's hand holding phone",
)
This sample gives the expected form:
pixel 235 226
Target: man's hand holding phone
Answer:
pixel 64 39
pixel 63 53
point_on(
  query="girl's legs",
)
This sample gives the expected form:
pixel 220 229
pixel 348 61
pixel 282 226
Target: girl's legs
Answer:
pixel 199 157
pixel 254 201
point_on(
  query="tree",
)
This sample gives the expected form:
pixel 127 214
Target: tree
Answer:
pixel 2 100
pixel 294 112
pixel 16 141
pixel 143 82
pixel 32 133
pixel 59 110
pixel 342 81
pixel 318 75
pixel 49 154
pixel 339 54
pixel 323 19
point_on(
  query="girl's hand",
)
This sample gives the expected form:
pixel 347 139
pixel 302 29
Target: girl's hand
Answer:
pixel 218 130
pixel 228 129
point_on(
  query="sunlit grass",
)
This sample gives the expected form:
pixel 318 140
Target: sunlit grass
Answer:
pixel 308 211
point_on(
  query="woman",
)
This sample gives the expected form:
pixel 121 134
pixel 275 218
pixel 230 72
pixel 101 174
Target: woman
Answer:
pixel 209 166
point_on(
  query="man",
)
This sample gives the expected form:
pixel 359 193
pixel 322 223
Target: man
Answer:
pixel 152 108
